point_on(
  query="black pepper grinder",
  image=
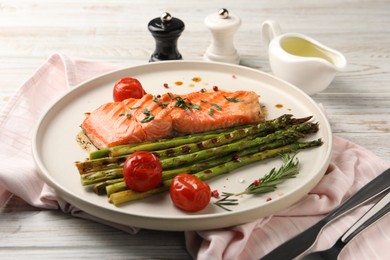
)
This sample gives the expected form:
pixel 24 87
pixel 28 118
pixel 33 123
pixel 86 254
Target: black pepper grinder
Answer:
pixel 166 30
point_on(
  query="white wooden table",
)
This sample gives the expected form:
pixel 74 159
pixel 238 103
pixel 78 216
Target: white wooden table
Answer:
pixel 357 102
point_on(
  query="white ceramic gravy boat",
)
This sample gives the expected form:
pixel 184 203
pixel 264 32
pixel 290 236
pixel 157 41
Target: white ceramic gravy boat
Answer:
pixel 300 59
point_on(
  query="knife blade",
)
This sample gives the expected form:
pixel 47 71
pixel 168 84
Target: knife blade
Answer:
pixel 305 240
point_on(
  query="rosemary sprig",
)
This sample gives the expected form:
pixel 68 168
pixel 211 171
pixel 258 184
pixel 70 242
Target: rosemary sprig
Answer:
pixel 268 183
pixel 226 201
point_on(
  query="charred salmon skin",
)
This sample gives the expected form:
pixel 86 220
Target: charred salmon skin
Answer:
pixel 152 118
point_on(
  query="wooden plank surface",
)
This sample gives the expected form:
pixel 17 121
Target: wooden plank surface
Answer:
pixel 357 102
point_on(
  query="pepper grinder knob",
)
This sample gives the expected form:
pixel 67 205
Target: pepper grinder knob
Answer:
pixel 223 25
pixel 166 31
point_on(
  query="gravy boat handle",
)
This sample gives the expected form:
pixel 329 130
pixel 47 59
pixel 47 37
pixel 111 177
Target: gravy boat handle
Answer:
pixel 269 30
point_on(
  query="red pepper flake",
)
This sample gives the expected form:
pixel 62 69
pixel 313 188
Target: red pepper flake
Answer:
pixel 166 85
pixel 203 90
pixel 215 88
pixel 234 76
pixel 215 194
pixel 268 199
pixel 256 182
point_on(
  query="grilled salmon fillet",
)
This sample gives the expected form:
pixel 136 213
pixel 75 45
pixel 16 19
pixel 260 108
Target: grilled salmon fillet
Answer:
pixel 152 118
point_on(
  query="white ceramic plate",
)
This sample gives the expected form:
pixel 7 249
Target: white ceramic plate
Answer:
pixel 55 149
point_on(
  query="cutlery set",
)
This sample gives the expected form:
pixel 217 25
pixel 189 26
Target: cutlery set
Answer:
pixel 376 212
pixel 300 244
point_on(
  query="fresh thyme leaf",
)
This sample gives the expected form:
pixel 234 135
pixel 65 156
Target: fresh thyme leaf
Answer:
pixel 159 102
pixel 211 112
pixel 181 102
pixel 127 115
pixel 216 106
pixel 233 99
pixel 147 112
pixel 163 105
pixel 194 106
pixel 149 117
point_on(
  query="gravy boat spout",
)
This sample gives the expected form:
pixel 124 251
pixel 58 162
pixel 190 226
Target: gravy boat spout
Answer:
pixel 301 60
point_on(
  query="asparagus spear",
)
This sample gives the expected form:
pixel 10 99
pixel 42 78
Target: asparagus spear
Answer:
pixel 150 146
pixel 283 120
pixel 95 177
pixel 101 164
pixel 251 158
pixel 168 143
pixel 248 132
pixel 100 188
pixel 226 149
pixel 193 168
pixel 130 195
pixel 156 145
pixel 116 187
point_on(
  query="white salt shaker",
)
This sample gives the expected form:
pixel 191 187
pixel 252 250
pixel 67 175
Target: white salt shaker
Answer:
pixel 223 25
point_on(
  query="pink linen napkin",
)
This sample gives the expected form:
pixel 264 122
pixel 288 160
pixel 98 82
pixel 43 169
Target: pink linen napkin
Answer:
pixel 351 167
pixel 18 174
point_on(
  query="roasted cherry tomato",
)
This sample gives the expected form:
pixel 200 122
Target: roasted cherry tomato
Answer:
pixel 142 171
pixel 189 193
pixel 128 88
